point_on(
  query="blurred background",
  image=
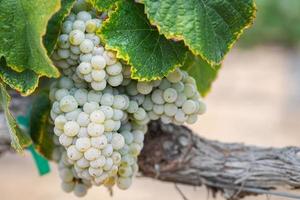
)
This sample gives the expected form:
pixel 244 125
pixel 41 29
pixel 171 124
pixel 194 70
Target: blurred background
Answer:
pixel 255 100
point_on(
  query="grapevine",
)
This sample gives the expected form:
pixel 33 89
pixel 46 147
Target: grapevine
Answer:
pixel 105 74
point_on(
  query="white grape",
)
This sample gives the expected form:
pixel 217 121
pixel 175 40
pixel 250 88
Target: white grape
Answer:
pixel 89 107
pixel 117 141
pixel 61 93
pixel 170 109
pixel 189 90
pixel 65 83
pixel 107 99
pixel 71 128
pixel 99 162
pixel 98 75
pixel 110 57
pixel 79 25
pixel 180 116
pixel 140 114
pixel 67 186
pixel 82 132
pixel 76 37
pixel 57 132
pixel 84 16
pixel 73 115
pixel 75 49
pixel 108 111
pixel 118 115
pixel 95 129
pixel 83 144
pixel 98 62
pixel 98 51
pixel 98 86
pixel 66 175
pixel 175 76
pixel 109 125
pixel 144 87
pixel 67 27
pixel 192 119
pixel 73 153
pixel 158 109
pixel 90 26
pixel 157 96
pixel 114 69
pixel 94 96
pixel 189 107
pixel 92 154
pixel 99 142
pixel 170 95
pixel 164 84
pixel 82 162
pixel 86 46
pixel 124 183
pixel 120 102
pixel 81 96
pixel 80 190
pixel 108 164
pixel 68 103
pixel 108 150
pixel 83 119
pixel 63 41
pixel 116 157
pixel 60 121
pixel 97 116
pixel 85 57
pixel 115 80
pixel 63 53
pixel 65 140
pixel 95 171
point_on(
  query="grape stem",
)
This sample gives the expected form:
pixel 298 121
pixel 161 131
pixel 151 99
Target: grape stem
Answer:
pixel 175 154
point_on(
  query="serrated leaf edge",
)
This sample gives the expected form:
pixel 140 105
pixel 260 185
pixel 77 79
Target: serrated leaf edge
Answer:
pixel 126 59
pixel 195 52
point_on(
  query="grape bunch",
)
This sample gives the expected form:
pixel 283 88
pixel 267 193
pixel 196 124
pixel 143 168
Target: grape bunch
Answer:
pixel 174 99
pixel 80 55
pixel 99 114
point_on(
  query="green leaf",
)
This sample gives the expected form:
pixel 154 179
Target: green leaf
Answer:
pixel 23 23
pixel 54 25
pixel 208 27
pixel 203 72
pixel 128 32
pixel 24 82
pixel 103 5
pixel 40 126
pixel 19 139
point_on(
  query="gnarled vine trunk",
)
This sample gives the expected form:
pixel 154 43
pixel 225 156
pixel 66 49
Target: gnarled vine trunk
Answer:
pixel 176 154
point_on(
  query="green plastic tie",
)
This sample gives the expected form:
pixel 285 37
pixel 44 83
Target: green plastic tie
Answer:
pixel 41 163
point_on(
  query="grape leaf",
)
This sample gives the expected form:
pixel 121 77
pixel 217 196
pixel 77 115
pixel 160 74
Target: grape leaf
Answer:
pixel 208 27
pixel 24 82
pixel 128 32
pixel 203 72
pixel 19 139
pixel 54 25
pixel 23 23
pixel 40 126
pixel 103 5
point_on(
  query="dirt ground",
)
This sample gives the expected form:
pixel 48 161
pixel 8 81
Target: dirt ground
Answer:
pixel 255 100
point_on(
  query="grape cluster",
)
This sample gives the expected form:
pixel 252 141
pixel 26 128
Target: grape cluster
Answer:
pixel 80 55
pixel 174 99
pixel 100 114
